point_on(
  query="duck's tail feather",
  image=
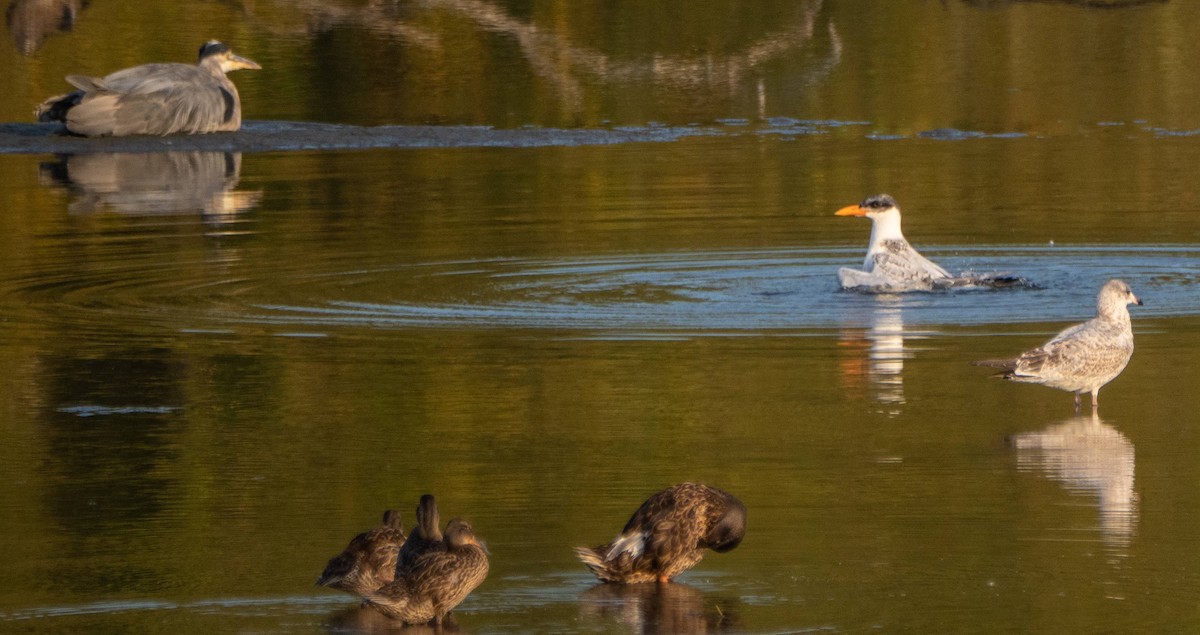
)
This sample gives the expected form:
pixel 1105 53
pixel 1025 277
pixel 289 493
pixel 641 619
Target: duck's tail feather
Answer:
pixel 593 559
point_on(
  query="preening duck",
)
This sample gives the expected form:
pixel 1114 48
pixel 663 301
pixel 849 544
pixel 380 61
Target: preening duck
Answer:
pixel 668 534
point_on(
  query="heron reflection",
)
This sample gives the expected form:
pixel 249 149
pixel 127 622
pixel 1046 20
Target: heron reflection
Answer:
pixel 879 354
pixel 1087 456
pixel 660 608
pixel 152 183
pixel 30 22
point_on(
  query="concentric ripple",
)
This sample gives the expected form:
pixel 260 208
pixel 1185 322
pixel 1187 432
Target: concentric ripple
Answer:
pixel 730 292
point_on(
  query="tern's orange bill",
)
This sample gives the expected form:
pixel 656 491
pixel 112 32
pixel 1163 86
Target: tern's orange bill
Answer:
pixel 851 210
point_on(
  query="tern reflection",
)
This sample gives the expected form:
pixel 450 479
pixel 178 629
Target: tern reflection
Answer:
pixel 152 182
pixel 878 354
pixel 660 608
pixel 30 22
pixel 1091 457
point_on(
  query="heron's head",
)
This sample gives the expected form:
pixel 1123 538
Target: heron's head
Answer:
pixel 217 53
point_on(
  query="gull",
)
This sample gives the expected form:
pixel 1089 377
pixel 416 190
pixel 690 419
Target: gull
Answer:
pixel 1084 357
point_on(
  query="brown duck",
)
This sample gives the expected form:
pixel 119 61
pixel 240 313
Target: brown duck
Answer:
pixel 437 580
pixel 668 534
pixel 369 561
pixel 424 538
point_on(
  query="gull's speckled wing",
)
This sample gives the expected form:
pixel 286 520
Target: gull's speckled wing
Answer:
pixel 1085 355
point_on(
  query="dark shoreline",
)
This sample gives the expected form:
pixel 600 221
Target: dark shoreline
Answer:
pixel 276 136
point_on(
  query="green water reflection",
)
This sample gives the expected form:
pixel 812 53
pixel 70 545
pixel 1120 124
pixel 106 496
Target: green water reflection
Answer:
pixel 177 461
pixel 904 66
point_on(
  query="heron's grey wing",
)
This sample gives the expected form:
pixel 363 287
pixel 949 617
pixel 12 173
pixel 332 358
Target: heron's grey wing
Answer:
pixel 85 83
pixel 176 106
pixel 155 99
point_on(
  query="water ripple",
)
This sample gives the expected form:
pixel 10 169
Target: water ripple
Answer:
pixel 736 292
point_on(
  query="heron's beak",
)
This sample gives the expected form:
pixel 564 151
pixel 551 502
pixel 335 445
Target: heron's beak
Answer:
pixel 851 210
pixel 237 62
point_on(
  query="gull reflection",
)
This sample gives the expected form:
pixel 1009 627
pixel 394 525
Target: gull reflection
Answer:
pixel 879 354
pixel 660 608
pixel 1087 456
pixel 30 22
pixel 152 182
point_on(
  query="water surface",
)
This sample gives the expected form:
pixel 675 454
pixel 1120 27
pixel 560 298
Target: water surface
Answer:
pixel 543 259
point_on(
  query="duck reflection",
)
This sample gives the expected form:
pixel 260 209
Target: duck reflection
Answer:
pixel 30 22
pixel 152 182
pixel 368 621
pixel 878 354
pixel 1087 456
pixel 660 608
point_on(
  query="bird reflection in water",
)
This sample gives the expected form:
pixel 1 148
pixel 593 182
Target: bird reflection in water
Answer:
pixel 152 183
pixel 878 354
pixel 367 621
pixel 660 608
pixel 30 22
pixel 571 69
pixel 1091 457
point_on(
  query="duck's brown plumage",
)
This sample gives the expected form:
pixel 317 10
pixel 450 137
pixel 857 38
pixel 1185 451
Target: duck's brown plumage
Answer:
pixel 425 537
pixel 436 581
pixel 369 561
pixel 668 534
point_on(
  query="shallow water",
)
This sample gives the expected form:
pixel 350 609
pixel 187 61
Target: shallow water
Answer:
pixel 607 267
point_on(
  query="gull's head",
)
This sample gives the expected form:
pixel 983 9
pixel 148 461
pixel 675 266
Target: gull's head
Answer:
pixel 873 208
pixel 1115 293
